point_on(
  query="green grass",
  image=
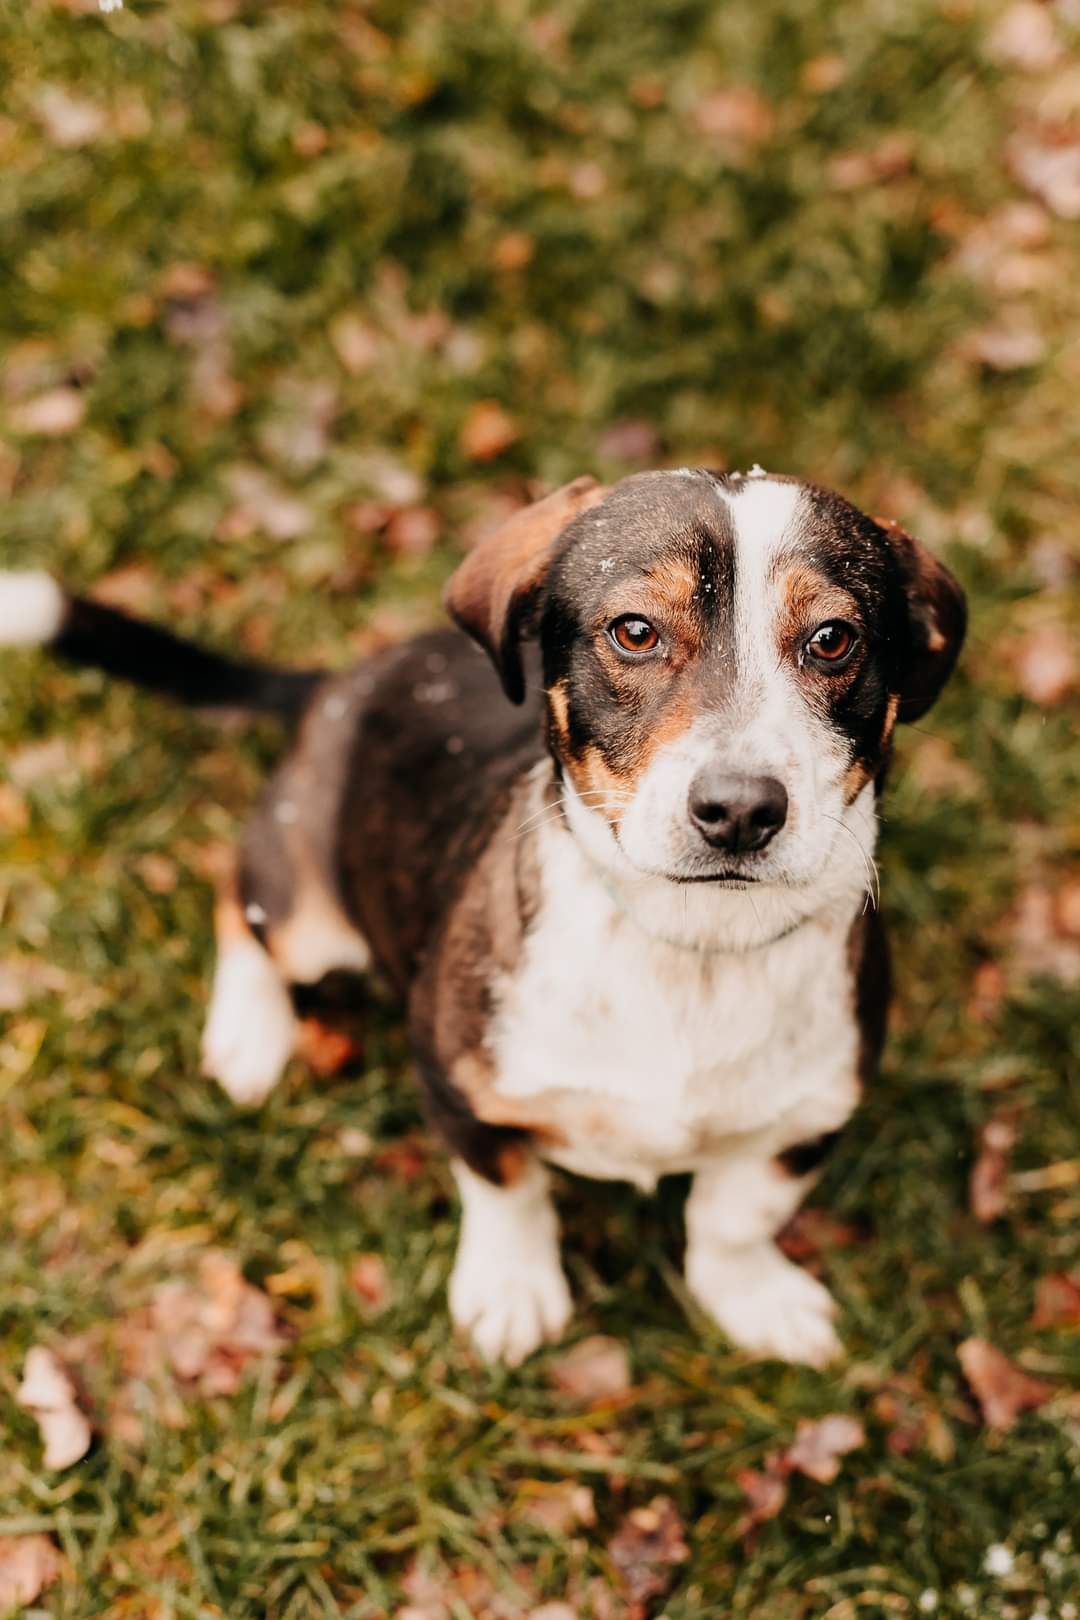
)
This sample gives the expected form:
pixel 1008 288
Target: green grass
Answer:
pixel 329 164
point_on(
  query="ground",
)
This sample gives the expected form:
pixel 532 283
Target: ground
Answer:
pixel 296 298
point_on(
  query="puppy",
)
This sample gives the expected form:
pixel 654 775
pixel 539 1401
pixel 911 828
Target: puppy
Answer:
pixel 626 900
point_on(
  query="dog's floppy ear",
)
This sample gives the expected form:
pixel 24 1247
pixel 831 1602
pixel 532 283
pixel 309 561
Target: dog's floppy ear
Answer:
pixel 494 590
pixel 936 620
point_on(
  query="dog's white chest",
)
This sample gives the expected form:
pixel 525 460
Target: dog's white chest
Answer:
pixel 646 1058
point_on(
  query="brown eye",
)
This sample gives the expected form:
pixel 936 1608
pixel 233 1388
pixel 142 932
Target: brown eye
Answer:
pixel 831 643
pixel 633 635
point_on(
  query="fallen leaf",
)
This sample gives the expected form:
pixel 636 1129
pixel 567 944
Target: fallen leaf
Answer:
pixel 69 120
pixel 405 1160
pixel 355 342
pixel 50 415
pixel 737 114
pixel 369 1282
pixel 205 1331
pixel 819 1445
pixel 1057 1300
pixel 987 991
pixel 1005 346
pixel 513 250
pixel 1050 170
pixel 823 73
pixel 261 506
pixel 1025 37
pixel 158 872
pixel 1039 936
pixel 645 1551
pixel 597 1369
pixel 557 1508
pixel 1002 1389
pixel 413 531
pixel 889 159
pixel 28 1566
pixel 813 1232
pixel 1045 664
pixel 765 1492
pixel 487 431
pixel 588 181
pixel 48 1394
pixel 631 440
pixel 989 1183
pixel 326 1049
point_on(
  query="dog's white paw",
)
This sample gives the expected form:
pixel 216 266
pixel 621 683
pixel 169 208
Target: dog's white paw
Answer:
pixel 765 1304
pixel 509 1310
pixel 250 1028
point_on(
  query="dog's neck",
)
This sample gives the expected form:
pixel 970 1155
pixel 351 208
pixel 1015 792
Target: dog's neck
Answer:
pixel 709 918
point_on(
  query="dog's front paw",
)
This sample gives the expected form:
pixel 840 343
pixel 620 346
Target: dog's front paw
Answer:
pixel 509 1311
pixel 250 1028
pixel 765 1304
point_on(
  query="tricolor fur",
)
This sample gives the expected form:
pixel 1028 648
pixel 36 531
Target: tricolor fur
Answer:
pixel 628 900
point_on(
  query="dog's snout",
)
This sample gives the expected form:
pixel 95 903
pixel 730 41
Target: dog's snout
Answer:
pixel 737 813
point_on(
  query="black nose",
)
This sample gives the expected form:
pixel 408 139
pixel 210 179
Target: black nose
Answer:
pixel 737 813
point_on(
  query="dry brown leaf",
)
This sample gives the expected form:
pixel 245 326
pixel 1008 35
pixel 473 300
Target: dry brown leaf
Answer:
pixel 1002 1389
pixel 813 1232
pixel 513 250
pixel 765 1492
pixel 1008 345
pixel 261 505
pixel 1026 37
pixel 48 1394
pixel 597 1369
pixel 356 343
pixel 588 181
pixel 1045 664
pixel 29 1565
pixel 205 1331
pixel 822 73
pixel 737 114
pixel 52 414
pixel 1040 937
pixel 487 431
pixel 413 531
pixel 70 120
pixel 989 1184
pixel 325 1048
pixel 645 1550
pixel 405 1160
pixel 889 159
pixel 557 1508
pixel 369 1282
pixel 1050 169
pixel 1057 1300
pixel 819 1445
pixel 631 440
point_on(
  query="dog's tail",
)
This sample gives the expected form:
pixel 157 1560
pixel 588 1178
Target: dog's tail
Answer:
pixel 36 611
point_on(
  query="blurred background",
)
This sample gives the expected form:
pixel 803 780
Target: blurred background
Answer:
pixel 296 301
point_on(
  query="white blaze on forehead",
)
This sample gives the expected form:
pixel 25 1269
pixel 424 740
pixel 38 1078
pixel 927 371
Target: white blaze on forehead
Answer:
pixel 764 514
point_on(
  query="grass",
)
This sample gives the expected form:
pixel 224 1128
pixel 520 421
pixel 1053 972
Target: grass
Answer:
pixel 309 239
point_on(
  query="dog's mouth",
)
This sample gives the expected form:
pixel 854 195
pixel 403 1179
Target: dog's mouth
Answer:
pixel 726 877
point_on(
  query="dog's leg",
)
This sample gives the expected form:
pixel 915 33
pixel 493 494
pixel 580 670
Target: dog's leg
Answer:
pixel 763 1303
pixel 250 1028
pixel 508 1290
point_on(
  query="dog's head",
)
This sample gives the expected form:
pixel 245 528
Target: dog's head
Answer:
pixel 725 657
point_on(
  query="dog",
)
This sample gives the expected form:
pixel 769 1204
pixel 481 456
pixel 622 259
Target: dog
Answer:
pixel 626 900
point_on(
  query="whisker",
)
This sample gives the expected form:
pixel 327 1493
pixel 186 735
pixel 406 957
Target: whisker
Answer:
pixel 873 876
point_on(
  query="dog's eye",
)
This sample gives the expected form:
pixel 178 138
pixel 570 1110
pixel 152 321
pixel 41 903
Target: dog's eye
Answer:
pixel 633 634
pixel 833 642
